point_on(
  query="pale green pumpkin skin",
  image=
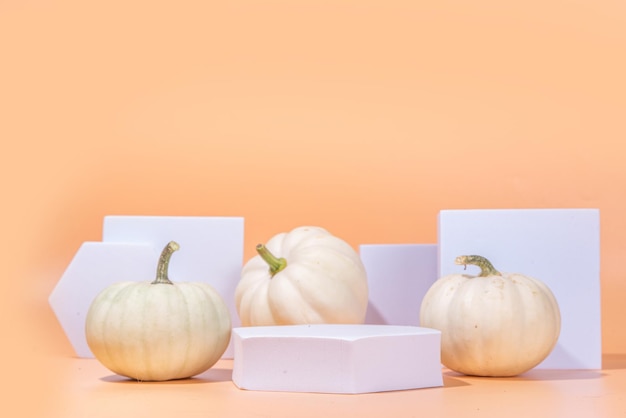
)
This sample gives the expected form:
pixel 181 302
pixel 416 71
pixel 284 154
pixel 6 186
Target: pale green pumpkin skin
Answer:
pixel 155 331
pixel 499 325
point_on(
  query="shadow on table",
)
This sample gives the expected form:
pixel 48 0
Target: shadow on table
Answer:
pixel 212 375
pixel 452 379
pixel 553 374
pixel 609 362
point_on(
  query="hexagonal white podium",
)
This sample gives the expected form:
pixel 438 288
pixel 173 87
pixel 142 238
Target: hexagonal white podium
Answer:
pixel 336 358
pixel 95 266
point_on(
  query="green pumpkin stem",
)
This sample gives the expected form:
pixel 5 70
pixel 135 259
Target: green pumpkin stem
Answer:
pixel 486 268
pixel 276 264
pixel 164 262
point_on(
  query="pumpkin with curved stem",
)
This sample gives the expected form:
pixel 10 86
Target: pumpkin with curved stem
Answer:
pixel 160 330
pixel 305 276
pixel 492 324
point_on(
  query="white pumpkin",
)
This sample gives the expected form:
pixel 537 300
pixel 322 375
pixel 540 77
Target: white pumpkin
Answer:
pixel 305 276
pixel 154 331
pixel 493 324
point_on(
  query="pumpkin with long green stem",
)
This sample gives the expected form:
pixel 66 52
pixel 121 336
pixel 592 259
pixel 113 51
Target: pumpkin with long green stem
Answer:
pixel 492 324
pixel 159 330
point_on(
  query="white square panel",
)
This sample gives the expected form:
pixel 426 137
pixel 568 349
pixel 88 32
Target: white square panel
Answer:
pixel 398 277
pixel 560 247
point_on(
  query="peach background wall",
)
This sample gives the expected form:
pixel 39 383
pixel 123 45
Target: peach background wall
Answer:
pixel 364 117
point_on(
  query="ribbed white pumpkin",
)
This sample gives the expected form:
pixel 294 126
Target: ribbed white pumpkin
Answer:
pixel 154 331
pixel 493 324
pixel 305 276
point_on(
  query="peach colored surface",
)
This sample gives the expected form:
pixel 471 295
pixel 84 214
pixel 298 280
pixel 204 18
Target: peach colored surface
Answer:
pixel 361 116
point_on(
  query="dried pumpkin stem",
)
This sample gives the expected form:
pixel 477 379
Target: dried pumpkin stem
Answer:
pixel 164 262
pixel 486 268
pixel 276 264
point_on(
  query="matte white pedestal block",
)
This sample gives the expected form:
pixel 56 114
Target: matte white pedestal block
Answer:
pixel 398 276
pixel 211 249
pixel 560 247
pixel 336 358
pixel 95 266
